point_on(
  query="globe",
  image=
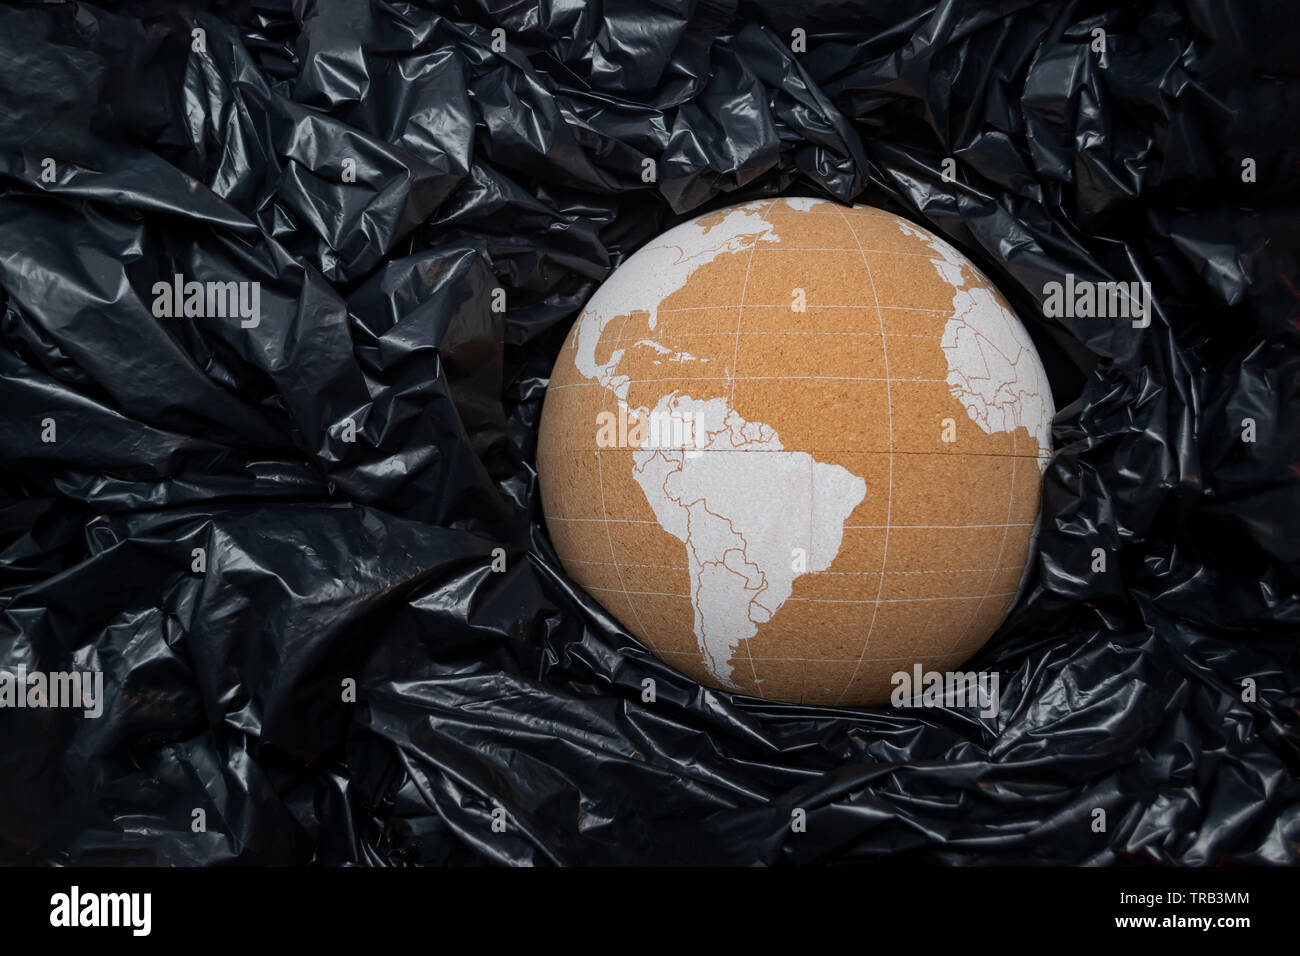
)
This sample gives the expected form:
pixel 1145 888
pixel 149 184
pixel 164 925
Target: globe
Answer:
pixel 796 449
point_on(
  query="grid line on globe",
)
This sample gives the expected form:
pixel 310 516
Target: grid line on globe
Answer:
pixel 889 494
pixel 760 378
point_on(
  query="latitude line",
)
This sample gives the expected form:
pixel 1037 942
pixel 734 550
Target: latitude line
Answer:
pixel 690 655
pixel 754 378
pixel 682 567
pixel 795 600
pixel 855 527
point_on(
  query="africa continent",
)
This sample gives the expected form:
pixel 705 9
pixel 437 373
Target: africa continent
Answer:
pixel 745 501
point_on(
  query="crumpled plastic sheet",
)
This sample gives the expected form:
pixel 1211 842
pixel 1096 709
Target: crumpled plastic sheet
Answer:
pixel 219 155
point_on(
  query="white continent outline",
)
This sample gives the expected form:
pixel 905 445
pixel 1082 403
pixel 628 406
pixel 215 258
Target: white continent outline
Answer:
pixel 732 498
pixel 993 367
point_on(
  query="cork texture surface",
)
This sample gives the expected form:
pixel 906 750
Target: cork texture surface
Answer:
pixel 794 448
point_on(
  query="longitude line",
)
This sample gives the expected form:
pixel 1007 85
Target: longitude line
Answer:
pixel 889 500
pixel 1011 497
pixel 731 401
pixel 600 478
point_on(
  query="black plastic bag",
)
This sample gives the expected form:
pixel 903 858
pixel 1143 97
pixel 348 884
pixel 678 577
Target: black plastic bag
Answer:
pixel 344 678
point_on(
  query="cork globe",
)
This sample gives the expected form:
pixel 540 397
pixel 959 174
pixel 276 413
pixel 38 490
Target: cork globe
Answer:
pixel 795 449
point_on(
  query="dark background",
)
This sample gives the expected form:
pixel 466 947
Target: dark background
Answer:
pixel 370 560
